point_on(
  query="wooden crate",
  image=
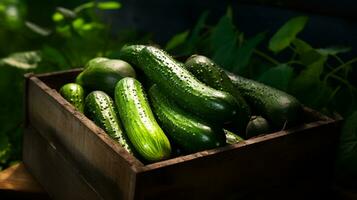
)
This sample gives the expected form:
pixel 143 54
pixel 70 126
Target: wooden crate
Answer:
pixel 72 158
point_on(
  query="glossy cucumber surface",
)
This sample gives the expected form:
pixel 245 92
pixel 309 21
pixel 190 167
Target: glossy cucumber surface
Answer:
pixel 74 94
pixel 181 85
pixel 139 122
pixel 211 74
pixel 100 108
pixel 276 106
pixel 189 132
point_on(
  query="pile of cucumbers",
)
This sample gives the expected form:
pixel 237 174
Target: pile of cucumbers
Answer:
pixel 157 107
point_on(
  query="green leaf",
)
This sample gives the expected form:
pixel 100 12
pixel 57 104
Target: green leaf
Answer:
pixel 78 23
pixel 301 46
pixel 68 14
pixel 23 60
pixel 333 50
pixel 311 74
pixel 307 53
pixel 109 5
pixel 278 77
pixel 244 53
pixel 195 34
pixel 223 33
pixel 57 17
pixel 225 55
pixel 347 150
pixel 54 57
pixel 37 29
pixel 309 88
pixel 177 40
pixel 5 149
pixel 287 33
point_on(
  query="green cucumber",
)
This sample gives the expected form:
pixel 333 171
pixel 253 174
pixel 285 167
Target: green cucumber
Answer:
pixel 191 94
pixel 211 74
pixel 100 108
pixel 257 126
pixel 275 105
pixel 103 74
pixel 189 132
pixel 232 138
pixel 130 53
pixel 74 94
pixel 95 61
pixel 139 122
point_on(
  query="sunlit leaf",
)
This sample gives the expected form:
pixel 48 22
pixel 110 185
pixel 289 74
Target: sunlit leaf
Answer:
pixel 13 17
pixel 108 5
pixel 287 33
pixel 23 60
pixel 38 29
pixel 69 14
pixel 177 40
pixel 78 23
pixel 57 17
pixel 278 77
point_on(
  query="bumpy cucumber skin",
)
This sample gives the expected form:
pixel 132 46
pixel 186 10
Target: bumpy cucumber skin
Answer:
pixel 273 104
pixel 74 94
pixel 211 74
pixel 139 122
pixel 189 132
pixel 104 74
pixel 232 138
pixel 191 94
pixel 100 108
pixel 130 53
pixel 256 126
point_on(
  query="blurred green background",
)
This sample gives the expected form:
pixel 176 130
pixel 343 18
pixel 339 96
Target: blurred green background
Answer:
pixel 308 53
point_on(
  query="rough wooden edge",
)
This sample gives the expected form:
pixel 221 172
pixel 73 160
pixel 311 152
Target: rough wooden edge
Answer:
pixel 323 120
pixel 133 162
pixel 140 167
pixel 57 73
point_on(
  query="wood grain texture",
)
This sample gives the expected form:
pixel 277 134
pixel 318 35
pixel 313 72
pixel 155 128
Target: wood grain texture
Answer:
pixel 95 154
pixel 56 174
pixel 266 163
pixel 17 178
pixel 269 161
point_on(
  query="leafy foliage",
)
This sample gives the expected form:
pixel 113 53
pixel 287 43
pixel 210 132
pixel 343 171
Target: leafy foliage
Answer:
pixel 69 41
pixel 318 77
pixel 287 33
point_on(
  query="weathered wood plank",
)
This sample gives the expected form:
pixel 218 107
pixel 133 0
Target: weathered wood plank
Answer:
pixel 234 171
pixel 57 176
pixel 17 178
pixel 95 154
pixel 269 161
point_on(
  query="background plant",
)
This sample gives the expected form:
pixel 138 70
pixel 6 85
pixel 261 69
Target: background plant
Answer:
pixel 68 39
pixel 318 77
